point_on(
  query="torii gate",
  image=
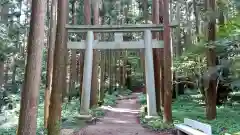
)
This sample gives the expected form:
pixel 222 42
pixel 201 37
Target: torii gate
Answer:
pixel 147 43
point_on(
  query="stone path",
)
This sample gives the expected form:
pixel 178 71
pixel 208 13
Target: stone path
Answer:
pixel 119 120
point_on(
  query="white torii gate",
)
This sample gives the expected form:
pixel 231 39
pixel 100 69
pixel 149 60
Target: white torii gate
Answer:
pixel 147 43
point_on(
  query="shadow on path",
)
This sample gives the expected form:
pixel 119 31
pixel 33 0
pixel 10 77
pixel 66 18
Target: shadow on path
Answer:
pixel 119 120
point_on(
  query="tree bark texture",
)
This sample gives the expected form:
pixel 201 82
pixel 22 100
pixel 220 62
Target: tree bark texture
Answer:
pixel 6 76
pixel 211 111
pixel 30 91
pixel 87 12
pixel 66 59
pixel 103 58
pixel 196 14
pixel 59 70
pixel 211 96
pixel 14 71
pixel 1 73
pixel 161 53
pixel 94 88
pixel 167 117
pixel 73 67
pixel 156 54
pixel 51 44
pixel 81 62
pixel 142 51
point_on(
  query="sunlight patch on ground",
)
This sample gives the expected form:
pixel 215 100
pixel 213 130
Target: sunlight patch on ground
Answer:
pixel 121 121
pixel 127 115
pixel 124 110
pixel 129 101
pixel 116 121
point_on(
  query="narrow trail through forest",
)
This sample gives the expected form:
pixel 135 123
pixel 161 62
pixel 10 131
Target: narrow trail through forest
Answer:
pixel 119 120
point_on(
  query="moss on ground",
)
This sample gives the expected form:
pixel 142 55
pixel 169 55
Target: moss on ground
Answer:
pixel 228 115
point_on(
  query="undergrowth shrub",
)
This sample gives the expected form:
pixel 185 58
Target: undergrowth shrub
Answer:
pixel 97 112
pixel 126 92
pixel 191 106
pixel 156 123
pixel 122 92
pixel 109 100
pixel 71 108
pixel 8 131
pixel 142 99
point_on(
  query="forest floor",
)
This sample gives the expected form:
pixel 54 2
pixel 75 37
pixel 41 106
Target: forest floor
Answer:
pixel 119 120
pixel 228 114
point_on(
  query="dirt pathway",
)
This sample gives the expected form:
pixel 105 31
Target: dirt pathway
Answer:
pixel 119 120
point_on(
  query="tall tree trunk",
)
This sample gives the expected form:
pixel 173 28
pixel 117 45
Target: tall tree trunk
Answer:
pixel 87 12
pixel 221 15
pixel 167 66
pixel 51 44
pixel 205 23
pixel 189 27
pixel 15 60
pixel 107 75
pixel 156 54
pixel 161 53
pixel 178 31
pixel 117 69
pixel 178 47
pixel 73 68
pixel 1 73
pixel 6 77
pixel 94 87
pixel 81 62
pixel 103 57
pixel 119 21
pixel 23 48
pixel 14 71
pixel 124 53
pixel 196 13
pixel 110 70
pixel 211 61
pixel 4 11
pixel 142 51
pixel 221 18
pixel 78 66
pixel 29 100
pixel 66 59
pixel 59 70
pixel 102 65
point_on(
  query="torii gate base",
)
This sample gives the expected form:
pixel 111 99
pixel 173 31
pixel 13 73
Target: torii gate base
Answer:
pixel 149 74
